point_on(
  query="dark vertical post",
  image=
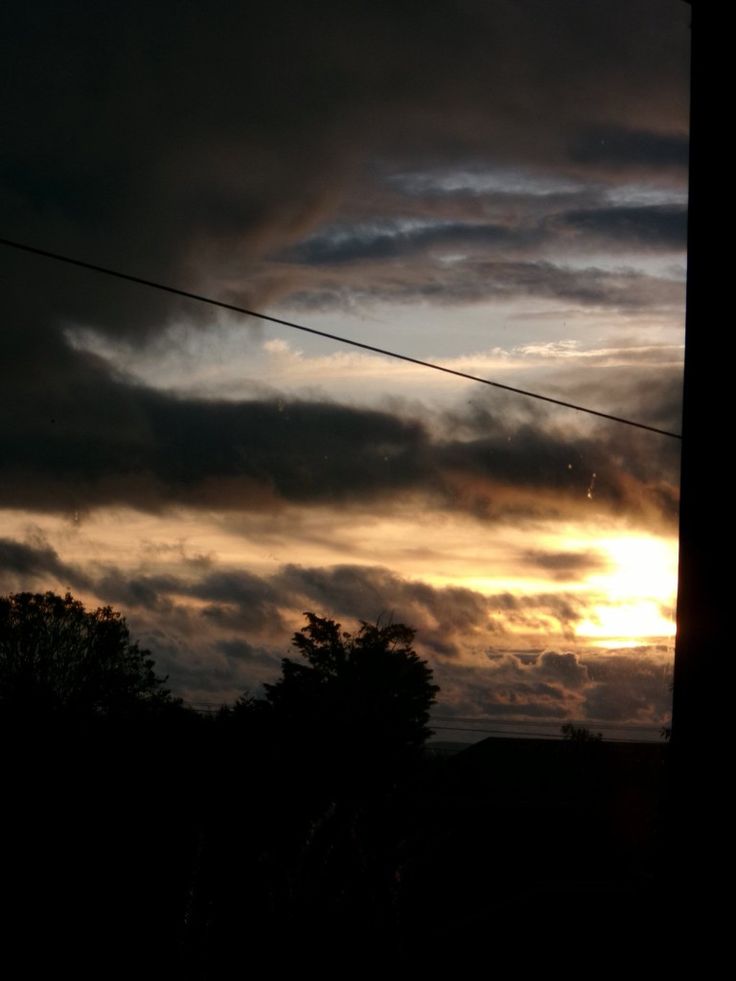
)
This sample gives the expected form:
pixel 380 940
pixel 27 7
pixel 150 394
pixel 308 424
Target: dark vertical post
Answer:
pixel 698 834
pixel 703 593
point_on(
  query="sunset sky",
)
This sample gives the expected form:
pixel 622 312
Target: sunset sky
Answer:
pixel 500 187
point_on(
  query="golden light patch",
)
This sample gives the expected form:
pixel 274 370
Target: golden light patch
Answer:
pixel 642 565
pixel 639 587
pixel 621 589
pixel 628 625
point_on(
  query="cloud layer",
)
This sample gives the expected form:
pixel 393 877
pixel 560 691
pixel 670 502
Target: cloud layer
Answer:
pixel 243 623
pixel 489 160
pixel 105 442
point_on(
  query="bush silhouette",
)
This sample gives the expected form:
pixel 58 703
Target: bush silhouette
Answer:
pixel 366 694
pixel 56 657
pixel 579 734
pixel 96 755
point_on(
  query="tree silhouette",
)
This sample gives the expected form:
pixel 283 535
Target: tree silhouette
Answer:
pixel 579 734
pixel 366 694
pixel 96 754
pixel 55 656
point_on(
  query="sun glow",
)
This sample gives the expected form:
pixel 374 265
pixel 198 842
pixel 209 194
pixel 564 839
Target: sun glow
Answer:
pixel 607 588
pixel 642 565
pixel 629 601
pixel 628 625
pixel 640 590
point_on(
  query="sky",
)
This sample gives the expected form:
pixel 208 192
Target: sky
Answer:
pixel 500 187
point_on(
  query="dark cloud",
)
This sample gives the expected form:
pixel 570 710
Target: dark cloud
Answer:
pixel 632 685
pixel 106 442
pixel 473 278
pixel 177 552
pixel 381 242
pixel 526 473
pixel 189 160
pixel 190 145
pixel 241 650
pixel 150 592
pixel 451 620
pixel 22 565
pixel 632 391
pixel 239 600
pixel 565 565
pixel 448 617
pixel 565 669
pixel 626 687
pixel 192 163
pixel 231 599
pixel 509 687
pixel 648 227
pixel 619 147
pixel 376 594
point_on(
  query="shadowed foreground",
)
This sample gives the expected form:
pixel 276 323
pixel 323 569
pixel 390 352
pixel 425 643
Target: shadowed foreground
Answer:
pixel 311 828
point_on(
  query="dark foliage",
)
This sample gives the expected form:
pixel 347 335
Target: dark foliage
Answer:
pixel 97 756
pixel 55 656
pixel 306 826
pixel 579 734
pixel 327 754
pixel 368 693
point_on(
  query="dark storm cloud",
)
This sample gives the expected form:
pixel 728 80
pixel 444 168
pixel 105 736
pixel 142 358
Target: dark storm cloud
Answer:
pixel 565 669
pixel 237 588
pixel 239 600
pixel 663 227
pixel 630 473
pixel 244 653
pixel 228 598
pixel 473 278
pixel 75 436
pixel 650 227
pixel 144 591
pixel 565 565
pixel 23 564
pixel 450 619
pixel 508 687
pixel 390 241
pixel 624 686
pixel 376 594
pixel 622 148
pixel 629 684
pixel 105 442
pixel 182 143
pixel 186 144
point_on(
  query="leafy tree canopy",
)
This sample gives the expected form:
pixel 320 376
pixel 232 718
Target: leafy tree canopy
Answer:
pixel 55 656
pixel 365 690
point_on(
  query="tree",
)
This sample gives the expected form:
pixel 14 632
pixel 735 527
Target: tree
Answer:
pixel 367 694
pixel 86 727
pixel 55 656
pixel 579 734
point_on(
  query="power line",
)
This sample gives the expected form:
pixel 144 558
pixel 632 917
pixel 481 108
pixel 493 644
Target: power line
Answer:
pixel 494 732
pixel 212 708
pixel 199 298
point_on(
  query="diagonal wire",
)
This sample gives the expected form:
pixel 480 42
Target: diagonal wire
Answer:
pixel 199 298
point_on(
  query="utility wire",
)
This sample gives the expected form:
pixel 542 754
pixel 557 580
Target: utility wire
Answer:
pixel 199 298
pixel 495 732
